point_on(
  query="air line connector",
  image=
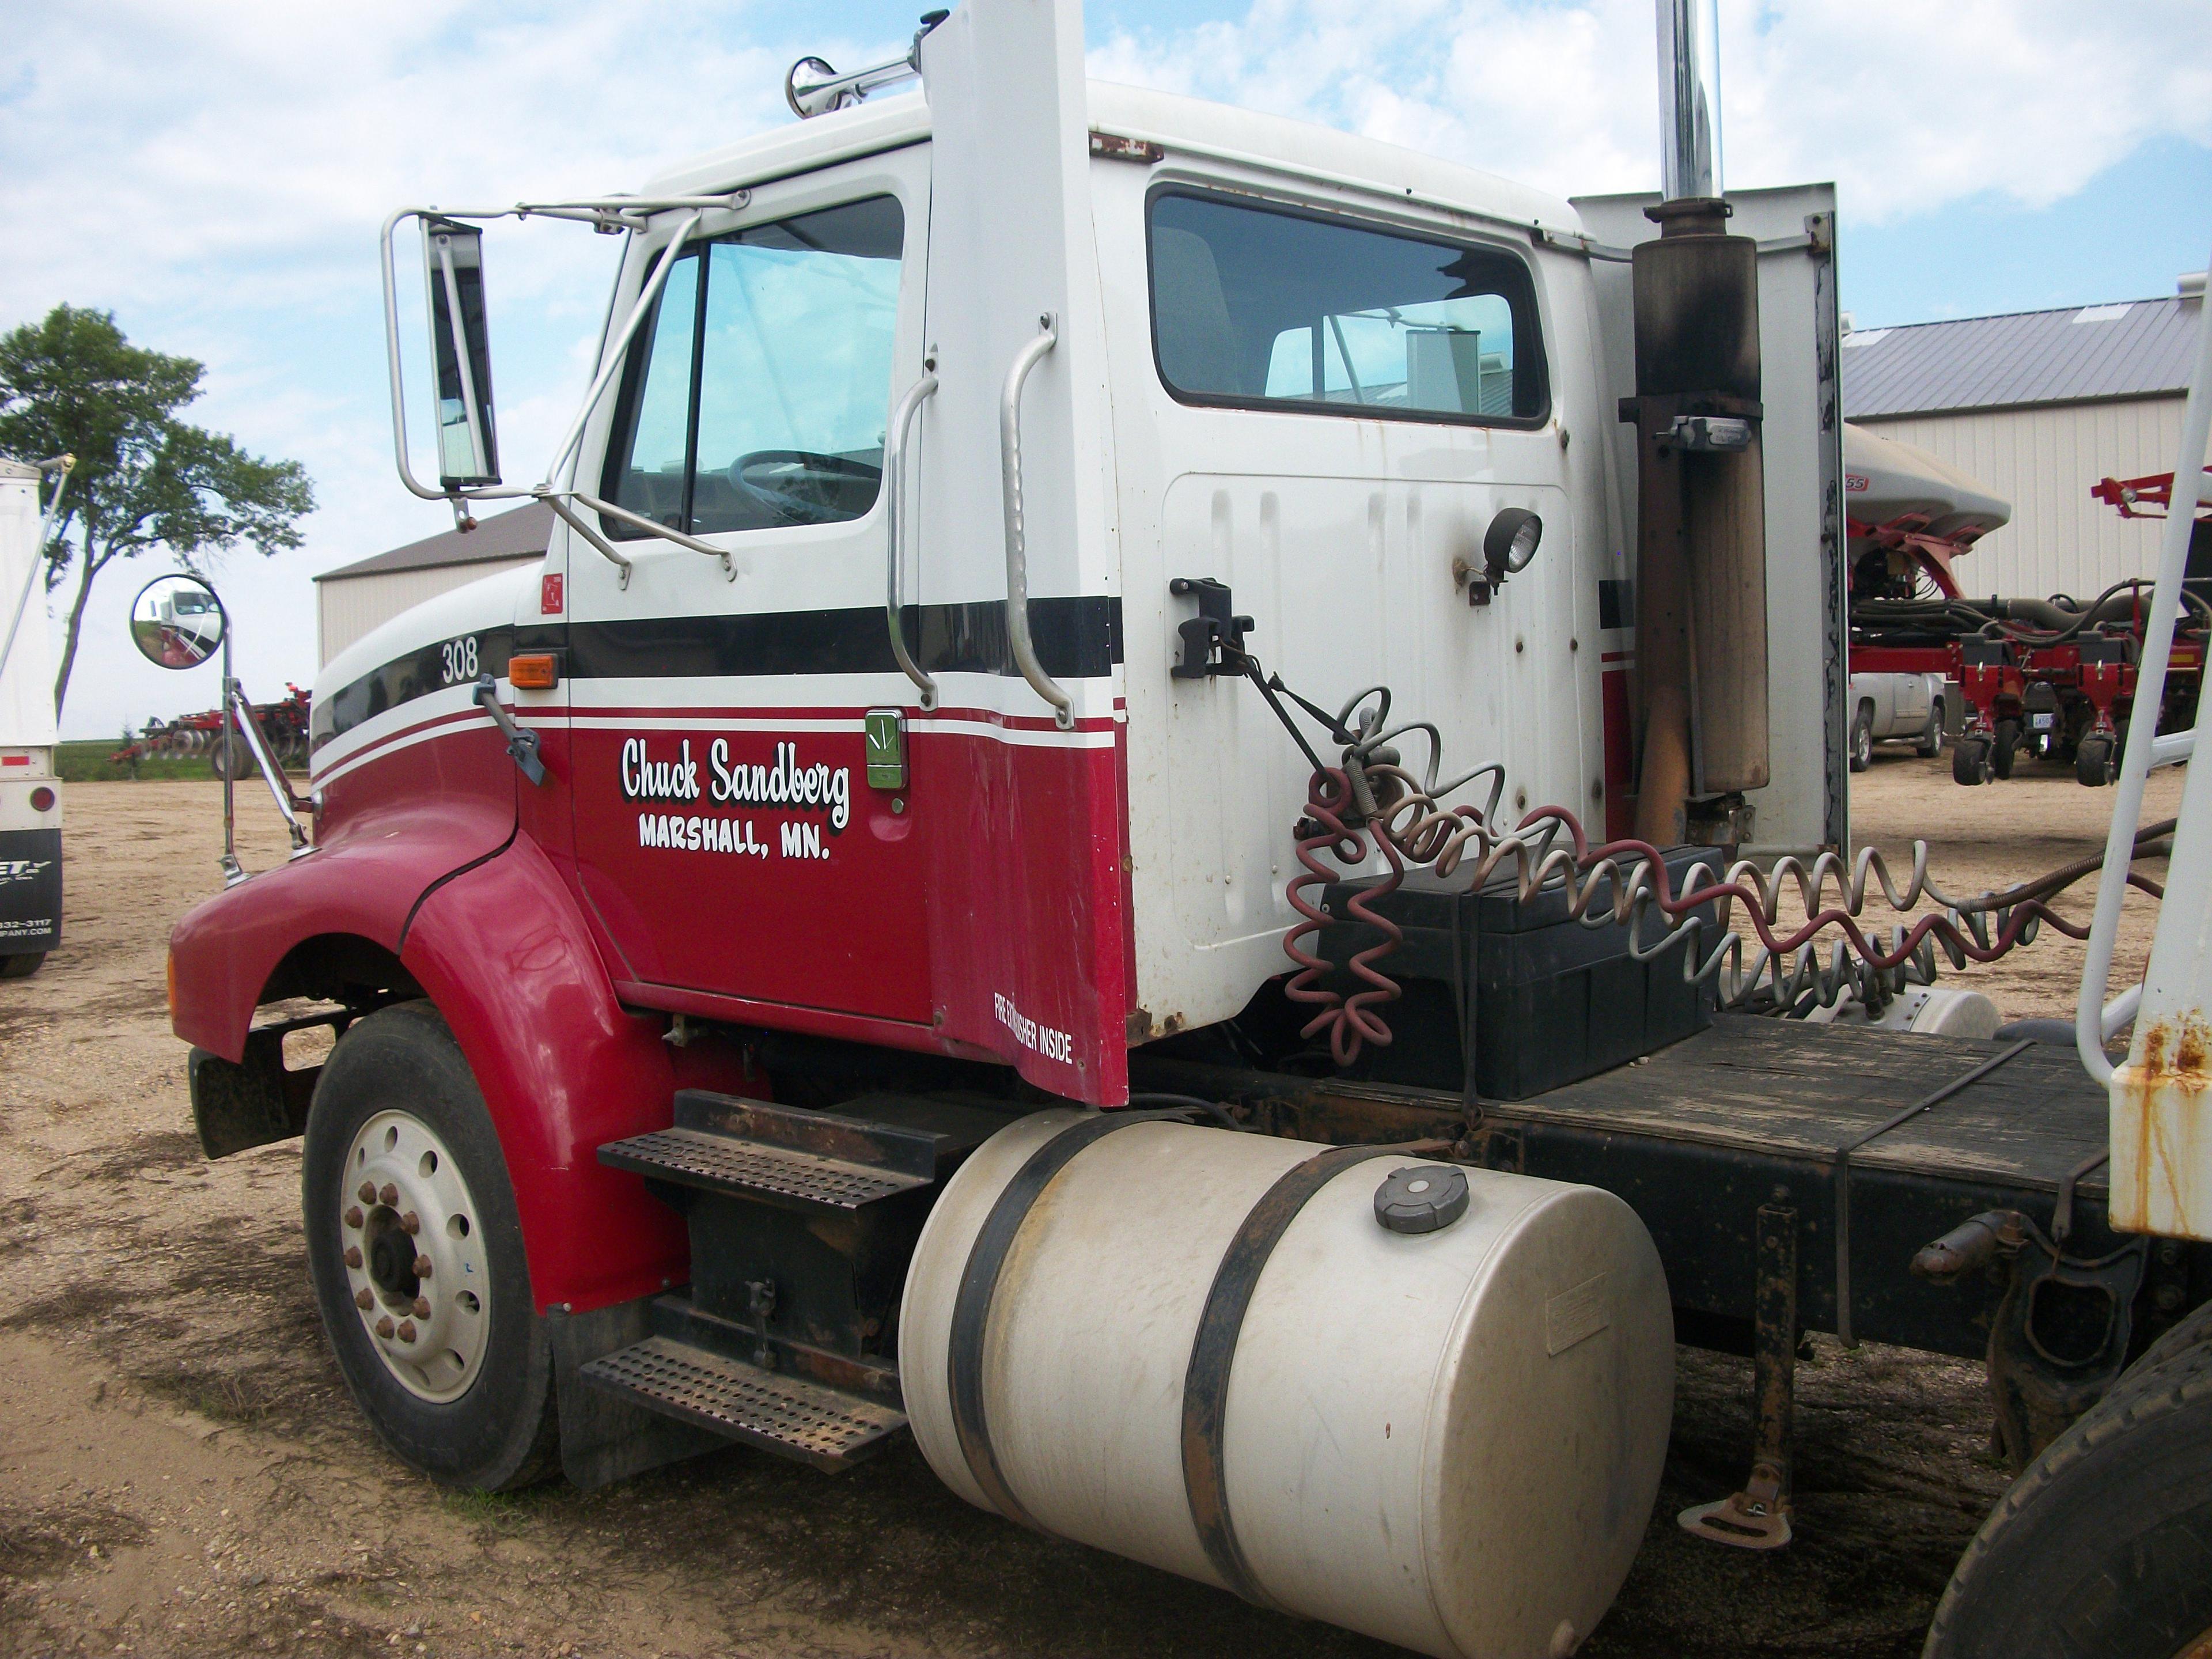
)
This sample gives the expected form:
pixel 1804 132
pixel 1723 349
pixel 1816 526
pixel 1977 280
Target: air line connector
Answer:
pixel 1213 636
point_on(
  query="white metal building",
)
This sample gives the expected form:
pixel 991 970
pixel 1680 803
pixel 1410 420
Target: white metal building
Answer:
pixel 356 597
pixel 2040 405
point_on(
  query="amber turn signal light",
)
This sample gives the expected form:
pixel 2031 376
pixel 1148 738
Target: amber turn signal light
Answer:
pixel 537 672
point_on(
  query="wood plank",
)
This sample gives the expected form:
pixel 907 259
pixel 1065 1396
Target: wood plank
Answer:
pixel 1786 1089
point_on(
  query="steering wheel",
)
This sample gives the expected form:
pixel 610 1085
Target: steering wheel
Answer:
pixel 799 485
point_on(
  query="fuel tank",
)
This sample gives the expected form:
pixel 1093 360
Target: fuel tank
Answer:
pixel 1425 1402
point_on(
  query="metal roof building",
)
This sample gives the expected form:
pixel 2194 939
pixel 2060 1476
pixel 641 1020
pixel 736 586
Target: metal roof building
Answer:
pixel 356 597
pixel 2040 405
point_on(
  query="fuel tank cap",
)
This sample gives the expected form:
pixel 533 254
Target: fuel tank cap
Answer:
pixel 1422 1198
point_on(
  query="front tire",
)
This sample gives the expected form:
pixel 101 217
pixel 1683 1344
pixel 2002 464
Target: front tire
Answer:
pixel 230 757
pixel 21 965
pixel 1863 738
pixel 2007 746
pixel 2103 1548
pixel 2093 763
pixel 415 1246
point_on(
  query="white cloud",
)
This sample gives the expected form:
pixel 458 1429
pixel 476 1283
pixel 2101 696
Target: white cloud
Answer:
pixel 1907 105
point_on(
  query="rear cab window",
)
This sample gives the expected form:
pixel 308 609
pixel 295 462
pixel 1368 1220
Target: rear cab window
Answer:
pixel 1272 307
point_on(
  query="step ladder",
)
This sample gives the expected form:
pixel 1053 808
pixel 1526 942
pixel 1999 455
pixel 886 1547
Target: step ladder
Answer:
pixel 782 1340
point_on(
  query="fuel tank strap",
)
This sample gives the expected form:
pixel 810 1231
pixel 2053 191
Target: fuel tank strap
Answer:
pixel 1213 1350
pixel 979 1281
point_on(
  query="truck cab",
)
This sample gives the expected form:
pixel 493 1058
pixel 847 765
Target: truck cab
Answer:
pixel 882 762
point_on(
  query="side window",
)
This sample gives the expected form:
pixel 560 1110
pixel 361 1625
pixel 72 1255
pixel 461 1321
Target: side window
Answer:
pixel 762 398
pixel 660 449
pixel 1259 307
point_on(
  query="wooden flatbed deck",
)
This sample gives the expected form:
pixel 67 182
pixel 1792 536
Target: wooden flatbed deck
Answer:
pixel 1785 1089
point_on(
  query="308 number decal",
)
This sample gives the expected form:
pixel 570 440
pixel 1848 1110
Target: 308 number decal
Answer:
pixel 457 659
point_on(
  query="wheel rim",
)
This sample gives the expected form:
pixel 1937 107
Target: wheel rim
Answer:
pixel 403 1206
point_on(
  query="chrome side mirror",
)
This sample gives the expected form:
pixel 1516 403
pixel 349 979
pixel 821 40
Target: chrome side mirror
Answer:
pixel 176 622
pixel 460 354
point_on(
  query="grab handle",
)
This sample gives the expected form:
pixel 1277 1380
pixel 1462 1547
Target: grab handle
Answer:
pixel 1018 563
pixel 894 487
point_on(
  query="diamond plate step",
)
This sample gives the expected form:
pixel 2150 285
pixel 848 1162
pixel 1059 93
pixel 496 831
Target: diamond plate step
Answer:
pixel 793 1416
pixel 726 1163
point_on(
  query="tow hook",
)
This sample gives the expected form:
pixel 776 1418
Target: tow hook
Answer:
pixel 522 744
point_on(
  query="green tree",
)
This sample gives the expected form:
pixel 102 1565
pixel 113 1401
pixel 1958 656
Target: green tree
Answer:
pixel 72 385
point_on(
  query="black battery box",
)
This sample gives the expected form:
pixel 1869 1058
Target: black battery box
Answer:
pixel 1511 997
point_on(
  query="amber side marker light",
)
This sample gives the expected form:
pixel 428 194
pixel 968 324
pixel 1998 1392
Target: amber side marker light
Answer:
pixel 538 672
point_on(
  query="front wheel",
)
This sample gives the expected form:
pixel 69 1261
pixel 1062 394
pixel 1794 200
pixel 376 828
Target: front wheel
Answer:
pixel 1863 739
pixel 21 965
pixel 229 757
pixel 1969 761
pixel 416 1249
pixel 2093 763
pixel 2007 747
pixel 2103 1548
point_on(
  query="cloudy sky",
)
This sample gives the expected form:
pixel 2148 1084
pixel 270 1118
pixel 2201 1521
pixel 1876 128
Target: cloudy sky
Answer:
pixel 215 173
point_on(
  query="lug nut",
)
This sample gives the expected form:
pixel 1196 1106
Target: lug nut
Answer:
pixel 422 1266
pixel 363 1300
pixel 353 1215
pixel 367 1193
pixel 389 1194
pixel 406 1330
pixel 410 1223
pixel 421 1306
pixel 353 1255
pixel 384 1327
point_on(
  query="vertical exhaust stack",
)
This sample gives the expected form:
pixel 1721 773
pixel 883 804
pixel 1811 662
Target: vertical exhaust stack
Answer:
pixel 1701 521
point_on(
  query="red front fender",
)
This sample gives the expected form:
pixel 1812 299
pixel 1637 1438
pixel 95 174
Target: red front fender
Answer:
pixel 224 952
pixel 499 946
pixel 504 953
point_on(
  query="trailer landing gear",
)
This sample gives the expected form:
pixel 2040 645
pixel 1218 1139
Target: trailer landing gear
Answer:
pixel 1758 1517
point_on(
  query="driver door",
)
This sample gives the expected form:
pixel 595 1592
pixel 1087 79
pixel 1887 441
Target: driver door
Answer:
pixel 729 843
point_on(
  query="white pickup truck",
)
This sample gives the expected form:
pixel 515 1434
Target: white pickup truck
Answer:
pixel 1887 706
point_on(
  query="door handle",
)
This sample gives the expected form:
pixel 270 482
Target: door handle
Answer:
pixel 1017 566
pixel 894 481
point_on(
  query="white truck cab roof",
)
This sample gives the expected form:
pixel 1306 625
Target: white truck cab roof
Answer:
pixel 1296 149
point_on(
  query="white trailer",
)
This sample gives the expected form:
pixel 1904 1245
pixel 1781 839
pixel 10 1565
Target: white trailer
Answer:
pixel 30 793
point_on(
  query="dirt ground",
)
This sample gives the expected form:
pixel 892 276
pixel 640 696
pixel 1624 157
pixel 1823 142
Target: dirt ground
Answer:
pixel 181 1471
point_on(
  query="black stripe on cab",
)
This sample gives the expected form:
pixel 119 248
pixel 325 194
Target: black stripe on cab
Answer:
pixel 1076 638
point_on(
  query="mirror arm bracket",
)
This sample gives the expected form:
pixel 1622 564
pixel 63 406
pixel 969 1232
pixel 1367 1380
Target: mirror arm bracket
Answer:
pixel 562 511
pixel 280 786
pixel 521 742
pixel 666 534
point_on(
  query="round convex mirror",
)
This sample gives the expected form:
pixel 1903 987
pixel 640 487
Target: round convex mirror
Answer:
pixel 176 621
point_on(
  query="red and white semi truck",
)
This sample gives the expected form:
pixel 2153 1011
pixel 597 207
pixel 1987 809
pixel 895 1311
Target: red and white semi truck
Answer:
pixel 808 959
